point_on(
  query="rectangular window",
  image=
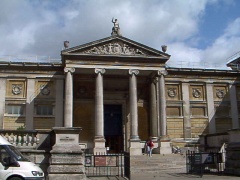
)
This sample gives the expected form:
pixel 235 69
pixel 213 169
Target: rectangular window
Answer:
pixel 44 110
pixel 14 109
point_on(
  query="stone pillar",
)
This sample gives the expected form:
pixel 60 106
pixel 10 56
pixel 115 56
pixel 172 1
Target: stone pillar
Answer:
pixel 2 100
pixel 99 141
pixel 164 141
pixel 59 103
pixel 68 107
pixel 30 103
pixel 135 146
pixel 162 105
pixel 211 109
pixel 67 158
pixel 234 107
pixel 186 111
pixel 153 109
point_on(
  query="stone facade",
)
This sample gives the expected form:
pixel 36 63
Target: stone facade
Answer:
pixel 177 103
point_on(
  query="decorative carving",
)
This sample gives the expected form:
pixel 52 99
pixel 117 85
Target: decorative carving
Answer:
pixel 220 93
pixel 115 48
pixel 102 71
pixel 196 92
pixel 45 90
pixel 16 89
pixel 162 72
pixel 71 70
pixel 172 92
pixel 133 71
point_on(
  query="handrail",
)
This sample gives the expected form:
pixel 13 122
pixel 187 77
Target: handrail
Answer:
pixel 20 58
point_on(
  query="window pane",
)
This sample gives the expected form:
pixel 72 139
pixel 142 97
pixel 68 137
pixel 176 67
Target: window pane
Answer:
pixel 14 109
pixel 45 110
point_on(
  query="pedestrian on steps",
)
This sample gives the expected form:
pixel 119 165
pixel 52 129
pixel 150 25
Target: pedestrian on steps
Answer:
pixel 149 145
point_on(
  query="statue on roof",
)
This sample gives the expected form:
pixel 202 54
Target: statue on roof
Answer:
pixel 116 28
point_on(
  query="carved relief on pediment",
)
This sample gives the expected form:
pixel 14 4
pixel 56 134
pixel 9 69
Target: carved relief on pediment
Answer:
pixel 115 48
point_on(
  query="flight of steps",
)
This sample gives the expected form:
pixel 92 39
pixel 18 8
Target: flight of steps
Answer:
pixel 172 163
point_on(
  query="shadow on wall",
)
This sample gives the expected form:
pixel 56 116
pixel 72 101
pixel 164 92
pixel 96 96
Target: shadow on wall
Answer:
pixel 224 113
pixel 30 104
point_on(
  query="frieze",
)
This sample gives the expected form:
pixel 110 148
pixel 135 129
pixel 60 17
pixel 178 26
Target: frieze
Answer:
pixel 172 92
pixel 16 89
pixel 196 93
pixel 45 90
pixel 115 49
pixel 220 93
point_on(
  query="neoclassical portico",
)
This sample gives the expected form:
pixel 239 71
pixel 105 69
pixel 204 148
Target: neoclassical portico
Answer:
pixel 120 58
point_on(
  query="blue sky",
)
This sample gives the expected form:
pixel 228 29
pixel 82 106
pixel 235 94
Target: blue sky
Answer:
pixel 198 33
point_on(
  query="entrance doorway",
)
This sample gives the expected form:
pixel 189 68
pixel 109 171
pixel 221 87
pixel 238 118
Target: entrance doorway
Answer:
pixel 113 128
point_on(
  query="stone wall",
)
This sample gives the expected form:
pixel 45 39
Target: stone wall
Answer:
pixel 232 165
pixel 214 142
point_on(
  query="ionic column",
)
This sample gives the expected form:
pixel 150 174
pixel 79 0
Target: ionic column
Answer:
pixel 162 105
pixel 133 103
pixel 164 141
pixel 153 109
pixel 68 107
pixel 99 116
pixel 234 106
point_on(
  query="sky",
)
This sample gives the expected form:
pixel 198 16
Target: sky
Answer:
pixel 198 33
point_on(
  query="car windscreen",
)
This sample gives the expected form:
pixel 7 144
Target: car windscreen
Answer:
pixel 13 152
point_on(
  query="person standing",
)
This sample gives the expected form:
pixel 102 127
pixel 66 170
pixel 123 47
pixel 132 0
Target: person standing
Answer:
pixel 149 145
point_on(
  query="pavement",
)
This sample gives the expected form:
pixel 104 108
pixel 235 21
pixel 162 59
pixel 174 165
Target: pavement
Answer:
pixel 167 176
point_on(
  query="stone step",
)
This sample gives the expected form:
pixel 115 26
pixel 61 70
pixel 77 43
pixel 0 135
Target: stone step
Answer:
pixel 158 163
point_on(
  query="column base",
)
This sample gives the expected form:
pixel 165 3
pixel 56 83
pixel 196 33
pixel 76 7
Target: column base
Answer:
pixel 165 145
pixel 135 147
pixel 99 146
pixel 165 148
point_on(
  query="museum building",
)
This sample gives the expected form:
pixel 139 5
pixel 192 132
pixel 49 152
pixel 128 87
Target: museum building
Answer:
pixel 120 92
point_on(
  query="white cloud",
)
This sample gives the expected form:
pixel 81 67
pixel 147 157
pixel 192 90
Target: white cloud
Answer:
pixel 40 27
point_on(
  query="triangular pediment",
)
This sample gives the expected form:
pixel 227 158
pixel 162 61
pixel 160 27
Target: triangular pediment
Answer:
pixel 115 46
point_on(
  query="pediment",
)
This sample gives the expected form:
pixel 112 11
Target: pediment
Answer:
pixel 115 46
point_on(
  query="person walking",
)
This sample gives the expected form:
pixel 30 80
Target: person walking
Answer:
pixel 149 145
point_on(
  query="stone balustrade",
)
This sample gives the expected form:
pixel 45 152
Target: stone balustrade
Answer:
pixel 25 139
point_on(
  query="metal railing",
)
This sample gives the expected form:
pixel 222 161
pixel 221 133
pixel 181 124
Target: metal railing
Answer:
pixel 33 59
pixel 107 165
pixel 204 162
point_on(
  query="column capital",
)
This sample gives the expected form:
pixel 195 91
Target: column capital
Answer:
pixel 71 70
pixel 98 70
pixel 162 72
pixel 133 71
